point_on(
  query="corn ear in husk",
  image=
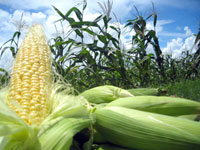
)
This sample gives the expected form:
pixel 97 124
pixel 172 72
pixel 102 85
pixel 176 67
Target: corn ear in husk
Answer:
pixel 147 131
pixel 162 105
pixel 144 91
pixel 193 117
pixel 105 94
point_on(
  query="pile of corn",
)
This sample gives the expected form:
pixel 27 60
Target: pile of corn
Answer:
pixel 36 115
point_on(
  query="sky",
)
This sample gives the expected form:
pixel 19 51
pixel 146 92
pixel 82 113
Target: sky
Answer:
pixel 178 20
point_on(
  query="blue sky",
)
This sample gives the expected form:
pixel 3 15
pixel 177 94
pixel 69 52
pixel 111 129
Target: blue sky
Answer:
pixel 178 20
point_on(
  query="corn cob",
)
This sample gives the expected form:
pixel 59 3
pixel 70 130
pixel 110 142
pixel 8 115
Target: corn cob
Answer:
pixel 162 105
pixel 147 131
pixel 105 94
pixel 31 78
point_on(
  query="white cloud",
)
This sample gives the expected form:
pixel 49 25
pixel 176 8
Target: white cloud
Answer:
pixel 178 45
pixel 161 32
pixel 28 17
pixel 159 25
pixel 188 32
pixel 172 34
pixel 25 4
pixel 174 46
pixel 4 15
pixel 7 60
pixel 5 18
pixel 178 28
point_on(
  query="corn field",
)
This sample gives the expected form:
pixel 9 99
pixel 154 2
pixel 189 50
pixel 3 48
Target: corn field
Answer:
pixel 71 94
pixel 104 60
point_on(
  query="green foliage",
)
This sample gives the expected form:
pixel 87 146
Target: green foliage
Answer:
pixel 101 59
pixel 4 77
pixel 187 89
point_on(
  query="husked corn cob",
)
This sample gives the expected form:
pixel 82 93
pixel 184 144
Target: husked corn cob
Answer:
pixel 31 78
pixel 162 105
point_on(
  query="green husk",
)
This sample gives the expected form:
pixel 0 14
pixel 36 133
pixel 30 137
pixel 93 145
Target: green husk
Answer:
pixel 194 117
pixel 98 138
pixel 161 105
pixel 144 91
pixel 66 106
pixel 69 115
pixel 59 135
pixel 14 132
pixel 147 131
pixel 105 94
pixel 100 105
pixel 4 93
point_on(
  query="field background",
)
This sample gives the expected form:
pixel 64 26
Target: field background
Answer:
pixel 96 56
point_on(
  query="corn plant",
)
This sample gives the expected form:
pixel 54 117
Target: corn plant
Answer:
pixel 103 60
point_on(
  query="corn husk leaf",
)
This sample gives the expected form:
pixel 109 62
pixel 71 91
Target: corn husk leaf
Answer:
pixel 193 117
pixel 162 105
pixel 60 134
pixel 105 94
pixel 67 106
pixel 98 138
pixel 15 133
pixel 147 131
pixel 144 91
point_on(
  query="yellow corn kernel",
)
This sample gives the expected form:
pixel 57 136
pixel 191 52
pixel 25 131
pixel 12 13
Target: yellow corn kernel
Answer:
pixel 30 71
